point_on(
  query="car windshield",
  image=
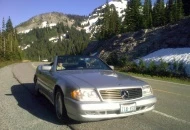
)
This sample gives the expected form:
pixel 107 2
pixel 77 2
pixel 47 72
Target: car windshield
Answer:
pixel 80 62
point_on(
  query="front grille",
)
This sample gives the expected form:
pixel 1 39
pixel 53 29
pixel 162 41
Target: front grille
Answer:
pixel 116 94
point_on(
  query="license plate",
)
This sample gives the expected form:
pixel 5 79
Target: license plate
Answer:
pixel 128 108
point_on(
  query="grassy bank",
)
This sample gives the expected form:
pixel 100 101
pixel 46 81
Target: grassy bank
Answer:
pixel 169 79
pixel 5 63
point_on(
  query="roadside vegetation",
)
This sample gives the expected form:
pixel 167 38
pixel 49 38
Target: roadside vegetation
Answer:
pixel 161 70
pixel 5 63
pixel 170 79
pixel 9 43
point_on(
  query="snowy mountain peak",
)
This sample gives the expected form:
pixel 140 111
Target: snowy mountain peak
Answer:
pixel 120 5
pixel 90 24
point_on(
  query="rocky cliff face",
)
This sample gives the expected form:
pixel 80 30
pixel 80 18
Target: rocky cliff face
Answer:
pixel 143 42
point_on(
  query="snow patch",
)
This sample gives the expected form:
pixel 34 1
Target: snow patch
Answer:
pixel 171 55
pixel 43 25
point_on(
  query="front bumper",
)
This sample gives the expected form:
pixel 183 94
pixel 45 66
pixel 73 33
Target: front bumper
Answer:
pixel 94 111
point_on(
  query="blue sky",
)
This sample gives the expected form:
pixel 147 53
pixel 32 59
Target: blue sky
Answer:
pixel 22 10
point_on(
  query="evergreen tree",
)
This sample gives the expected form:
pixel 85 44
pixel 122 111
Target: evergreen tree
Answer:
pixel 3 38
pixel 104 31
pixel 186 7
pixel 147 12
pixel 115 23
pixel 9 42
pixel 133 18
pixel 9 37
pixel 174 11
pixel 9 25
pixel 180 10
pixel 169 11
pixel 3 25
pixel 159 18
pixel 110 24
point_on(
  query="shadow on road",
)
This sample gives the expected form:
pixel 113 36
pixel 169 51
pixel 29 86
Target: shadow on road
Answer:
pixel 37 106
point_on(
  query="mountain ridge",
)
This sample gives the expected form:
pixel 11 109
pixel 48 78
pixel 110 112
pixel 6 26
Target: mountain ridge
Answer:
pixel 88 23
pixel 47 20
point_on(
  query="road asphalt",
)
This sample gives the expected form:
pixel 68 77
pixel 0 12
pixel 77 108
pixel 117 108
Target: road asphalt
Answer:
pixel 21 110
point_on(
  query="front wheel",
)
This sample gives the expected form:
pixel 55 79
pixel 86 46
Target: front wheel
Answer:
pixel 36 87
pixel 60 109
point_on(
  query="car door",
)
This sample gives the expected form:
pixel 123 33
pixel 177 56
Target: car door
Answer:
pixel 50 78
pixel 42 79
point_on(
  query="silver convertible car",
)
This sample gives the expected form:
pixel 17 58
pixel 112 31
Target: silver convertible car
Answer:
pixel 84 88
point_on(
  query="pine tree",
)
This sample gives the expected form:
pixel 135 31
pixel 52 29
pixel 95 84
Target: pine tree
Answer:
pixel 9 25
pixel 180 10
pixel 3 25
pixel 147 12
pixel 9 37
pixel 104 30
pixel 159 18
pixel 114 22
pixel 127 23
pixel 110 23
pixel 9 42
pixel 4 37
pixel 133 18
pixel 16 51
pixel 177 10
pixel 169 11
pixel 186 7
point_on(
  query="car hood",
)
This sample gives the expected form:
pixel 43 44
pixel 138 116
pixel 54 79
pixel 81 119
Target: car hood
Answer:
pixel 100 79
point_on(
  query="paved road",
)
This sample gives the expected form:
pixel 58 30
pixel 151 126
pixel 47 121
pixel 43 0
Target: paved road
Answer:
pixel 20 109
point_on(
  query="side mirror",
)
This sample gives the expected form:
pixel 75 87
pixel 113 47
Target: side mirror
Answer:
pixel 112 67
pixel 46 68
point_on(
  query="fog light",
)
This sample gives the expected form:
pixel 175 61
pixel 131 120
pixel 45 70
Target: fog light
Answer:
pixel 94 112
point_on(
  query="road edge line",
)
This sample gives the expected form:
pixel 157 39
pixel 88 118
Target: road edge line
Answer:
pixel 162 81
pixel 171 117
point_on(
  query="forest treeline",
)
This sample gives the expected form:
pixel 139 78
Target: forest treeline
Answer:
pixel 9 42
pixel 138 16
pixel 68 41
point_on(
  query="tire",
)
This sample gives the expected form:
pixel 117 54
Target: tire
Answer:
pixel 36 88
pixel 60 109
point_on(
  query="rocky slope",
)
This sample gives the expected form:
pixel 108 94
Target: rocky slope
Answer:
pixel 143 42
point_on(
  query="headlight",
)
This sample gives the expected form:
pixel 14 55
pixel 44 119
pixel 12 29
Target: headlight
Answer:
pixel 85 95
pixel 146 90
